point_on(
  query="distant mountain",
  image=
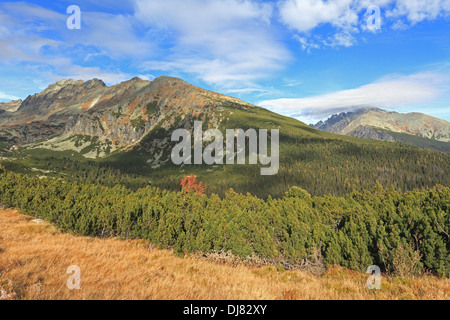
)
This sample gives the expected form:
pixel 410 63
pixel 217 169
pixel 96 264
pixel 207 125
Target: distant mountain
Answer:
pixel 414 128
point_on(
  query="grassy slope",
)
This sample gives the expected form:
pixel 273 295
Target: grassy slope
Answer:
pixel 34 259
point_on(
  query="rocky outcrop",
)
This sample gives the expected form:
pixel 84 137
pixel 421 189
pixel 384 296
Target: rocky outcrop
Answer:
pixel 30 132
pixel 11 106
pixel 371 133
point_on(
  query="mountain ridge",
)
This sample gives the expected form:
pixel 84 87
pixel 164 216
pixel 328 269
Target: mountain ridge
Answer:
pixel 379 124
pixel 120 115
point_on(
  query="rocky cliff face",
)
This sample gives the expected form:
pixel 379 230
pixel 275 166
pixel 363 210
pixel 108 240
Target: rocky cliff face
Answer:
pixel 386 125
pixel 117 117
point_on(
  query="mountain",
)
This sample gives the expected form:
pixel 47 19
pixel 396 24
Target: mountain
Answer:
pixel 415 128
pixel 118 117
pixel 87 131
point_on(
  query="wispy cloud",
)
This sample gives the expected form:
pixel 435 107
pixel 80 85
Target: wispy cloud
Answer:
pixel 389 92
pixel 7 97
pixel 305 15
pixel 36 38
pixel 229 44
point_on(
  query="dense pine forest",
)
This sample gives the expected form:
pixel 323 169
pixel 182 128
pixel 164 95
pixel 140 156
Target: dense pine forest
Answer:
pixel 404 233
pixel 320 166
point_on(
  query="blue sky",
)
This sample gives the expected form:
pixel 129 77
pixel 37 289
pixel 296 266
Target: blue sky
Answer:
pixel 302 58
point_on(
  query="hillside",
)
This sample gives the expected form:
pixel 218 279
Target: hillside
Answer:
pixel 414 128
pixel 122 134
pixel 143 272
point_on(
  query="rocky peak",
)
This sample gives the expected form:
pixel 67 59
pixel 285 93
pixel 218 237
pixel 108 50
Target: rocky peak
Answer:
pixel 136 79
pixel 72 84
pixel 59 96
pixel 93 83
pixel 339 121
pixel 57 86
pixel 170 82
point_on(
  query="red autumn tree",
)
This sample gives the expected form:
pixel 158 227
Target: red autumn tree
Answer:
pixel 190 184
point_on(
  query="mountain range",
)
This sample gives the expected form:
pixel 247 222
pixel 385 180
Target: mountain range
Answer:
pixel 85 130
pixel 118 116
pixel 372 123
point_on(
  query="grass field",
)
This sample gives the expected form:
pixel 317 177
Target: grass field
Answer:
pixel 34 258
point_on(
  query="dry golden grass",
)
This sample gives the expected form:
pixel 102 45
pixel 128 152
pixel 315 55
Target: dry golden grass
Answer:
pixel 34 258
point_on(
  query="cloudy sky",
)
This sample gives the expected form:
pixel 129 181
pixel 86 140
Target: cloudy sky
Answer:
pixel 302 58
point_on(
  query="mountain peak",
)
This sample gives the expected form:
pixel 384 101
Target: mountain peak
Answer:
pixel 169 81
pixel 55 87
pixel 95 83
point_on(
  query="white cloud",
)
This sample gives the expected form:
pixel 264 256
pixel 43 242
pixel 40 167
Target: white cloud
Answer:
pixel 226 43
pixel 36 40
pixel 24 25
pixel 253 90
pixel 399 25
pixel 418 10
pixel 350 17
pixel 229 44
pixel 305 15
pixel 21 24
pixel 389 92
pixel 113 34
pixel 199 15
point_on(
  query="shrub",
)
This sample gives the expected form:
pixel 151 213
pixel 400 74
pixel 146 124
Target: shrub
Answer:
pixel 190 184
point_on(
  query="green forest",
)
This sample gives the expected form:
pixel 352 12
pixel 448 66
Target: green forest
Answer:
pixel 320 166
pixel 402 232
